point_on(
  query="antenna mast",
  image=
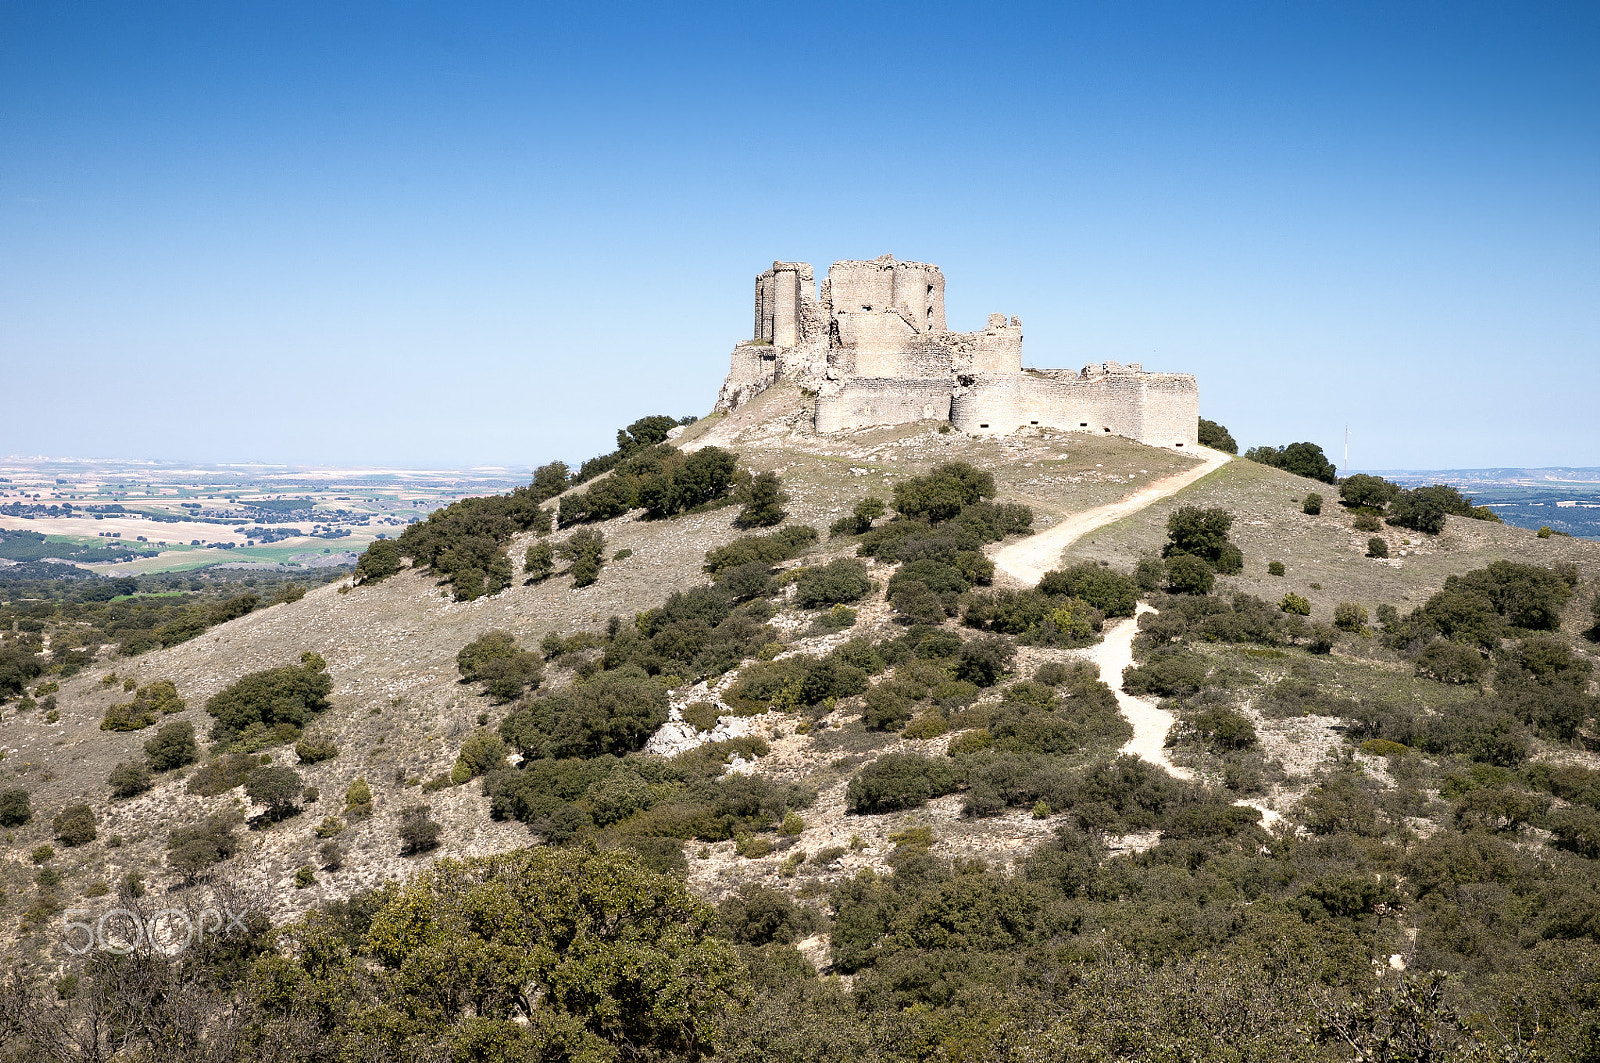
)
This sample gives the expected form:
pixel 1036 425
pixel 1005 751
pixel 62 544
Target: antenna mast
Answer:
pixel 1345 468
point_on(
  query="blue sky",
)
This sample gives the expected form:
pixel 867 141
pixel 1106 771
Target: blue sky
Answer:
pixel 442 234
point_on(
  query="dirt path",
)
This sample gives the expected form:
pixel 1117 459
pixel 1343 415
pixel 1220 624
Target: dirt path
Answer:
pixel 1150 724
pixel 1029 559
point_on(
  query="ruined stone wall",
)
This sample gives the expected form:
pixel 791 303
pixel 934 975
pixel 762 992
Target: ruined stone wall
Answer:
pixel 1160 409
pixel 883 285
pixel 866 401
pixel 996 349
pixel 781 303
pixel 752 369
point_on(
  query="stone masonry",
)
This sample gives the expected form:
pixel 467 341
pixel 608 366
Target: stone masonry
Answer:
pixel 873 345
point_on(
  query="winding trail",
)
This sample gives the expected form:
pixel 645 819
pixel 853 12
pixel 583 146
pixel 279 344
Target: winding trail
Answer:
pixel 1150 724
pixel 1027 560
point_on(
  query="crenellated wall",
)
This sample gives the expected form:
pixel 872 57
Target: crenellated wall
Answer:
pixel 874 344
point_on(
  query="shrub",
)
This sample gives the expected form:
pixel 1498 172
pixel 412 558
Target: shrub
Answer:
pixel 1110 592
pixel 129 779
pixel 611 713
pixel 1217 437
pixel 156 699
pixel 1223 728
pixel 314 748
pixel 358 799
pixel 1451 662
pixel 843 580
pixel 915 601
pixel 1275 568
pixel 539 560
pixel 223 774
pixel 897 781
pixel 1364 490
pixel 495 660
pixel 418 832
pixel 379 561
pixel 192 849
pixel 586 550
pixel 1301 459
pixel 1166 674
pixel 1312 504
pixel 860 518
pixel 760 915
pixel 1188 574
pixel 1367 522
pixel 15 808
pixel 762 497
pixel 75 825
pixel 304 877
pixel 482 752
pixel 1294 603
pixel 1349 616
pixel 172 747
pixel 983 661
pixel 276 788
pixel 943 492
pixel 1377 547
pixel 768 549
pixel 290 696
pixel 1150 573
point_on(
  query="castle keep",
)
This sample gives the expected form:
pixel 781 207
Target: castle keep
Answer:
pixel 874 346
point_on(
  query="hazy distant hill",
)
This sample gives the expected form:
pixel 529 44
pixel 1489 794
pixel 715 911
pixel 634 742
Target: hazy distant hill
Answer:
pixel 1563 499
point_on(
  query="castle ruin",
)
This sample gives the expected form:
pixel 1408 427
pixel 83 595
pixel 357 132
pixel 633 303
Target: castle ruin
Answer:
pixel 874 346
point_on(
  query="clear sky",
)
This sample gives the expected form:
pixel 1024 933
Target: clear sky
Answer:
pixel 438 234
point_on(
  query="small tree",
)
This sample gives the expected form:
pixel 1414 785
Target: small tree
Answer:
pixel 1312 506
pixel 1295 604
pixel 418 832
pixel 172 747
pixel 75 825
pixel 983 661
pixel 1376 547
pixel 316 747
pixel 550 480
pixel 129 779
pixel 15 808
pixel 358 799
pixel 1349 616
pixel 586 550
pixel 1217 437
pixel 378 562
pixel 482 752
pixel 276 788
pixel 841 580
pixel 763 497
pixel 1364 490
pixel 1187 574
pixel 539 561
pixel 1275 568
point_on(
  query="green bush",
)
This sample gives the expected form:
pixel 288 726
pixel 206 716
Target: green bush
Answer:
pixel 1110 592
pixel 379 561
pixel 1275 568
pixel 15 808
pixel 1217 437
pixel 275 787
pixel 762 498
pixel 860 518
pixel 898 781
pixel 75 825
pixel 983 661
pixel 1166 674
pixel 1366 522
pixel 943 492
pixel 767 549
pixel 482 752
pixel 610 713
pixel 660 479
pixel 1312 504
pixel 289 696
pixel 759 915
pixel 1349 616
pixel 539 560
pixel 152 701
pixel 1364 490
pixel 129 779
pixel 1188 574
pixel 1301 459
pixel 417 831
pixel 1451 662
pixel 586 551
pixel 1377 547
pixel 223 774
pixel 1294 603
pixel 172 747
pixel 495 660
pixel 843 580
pixel 315 748
pixel 192 849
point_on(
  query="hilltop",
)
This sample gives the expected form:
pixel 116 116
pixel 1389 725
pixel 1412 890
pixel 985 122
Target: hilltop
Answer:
pixel 1276 692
